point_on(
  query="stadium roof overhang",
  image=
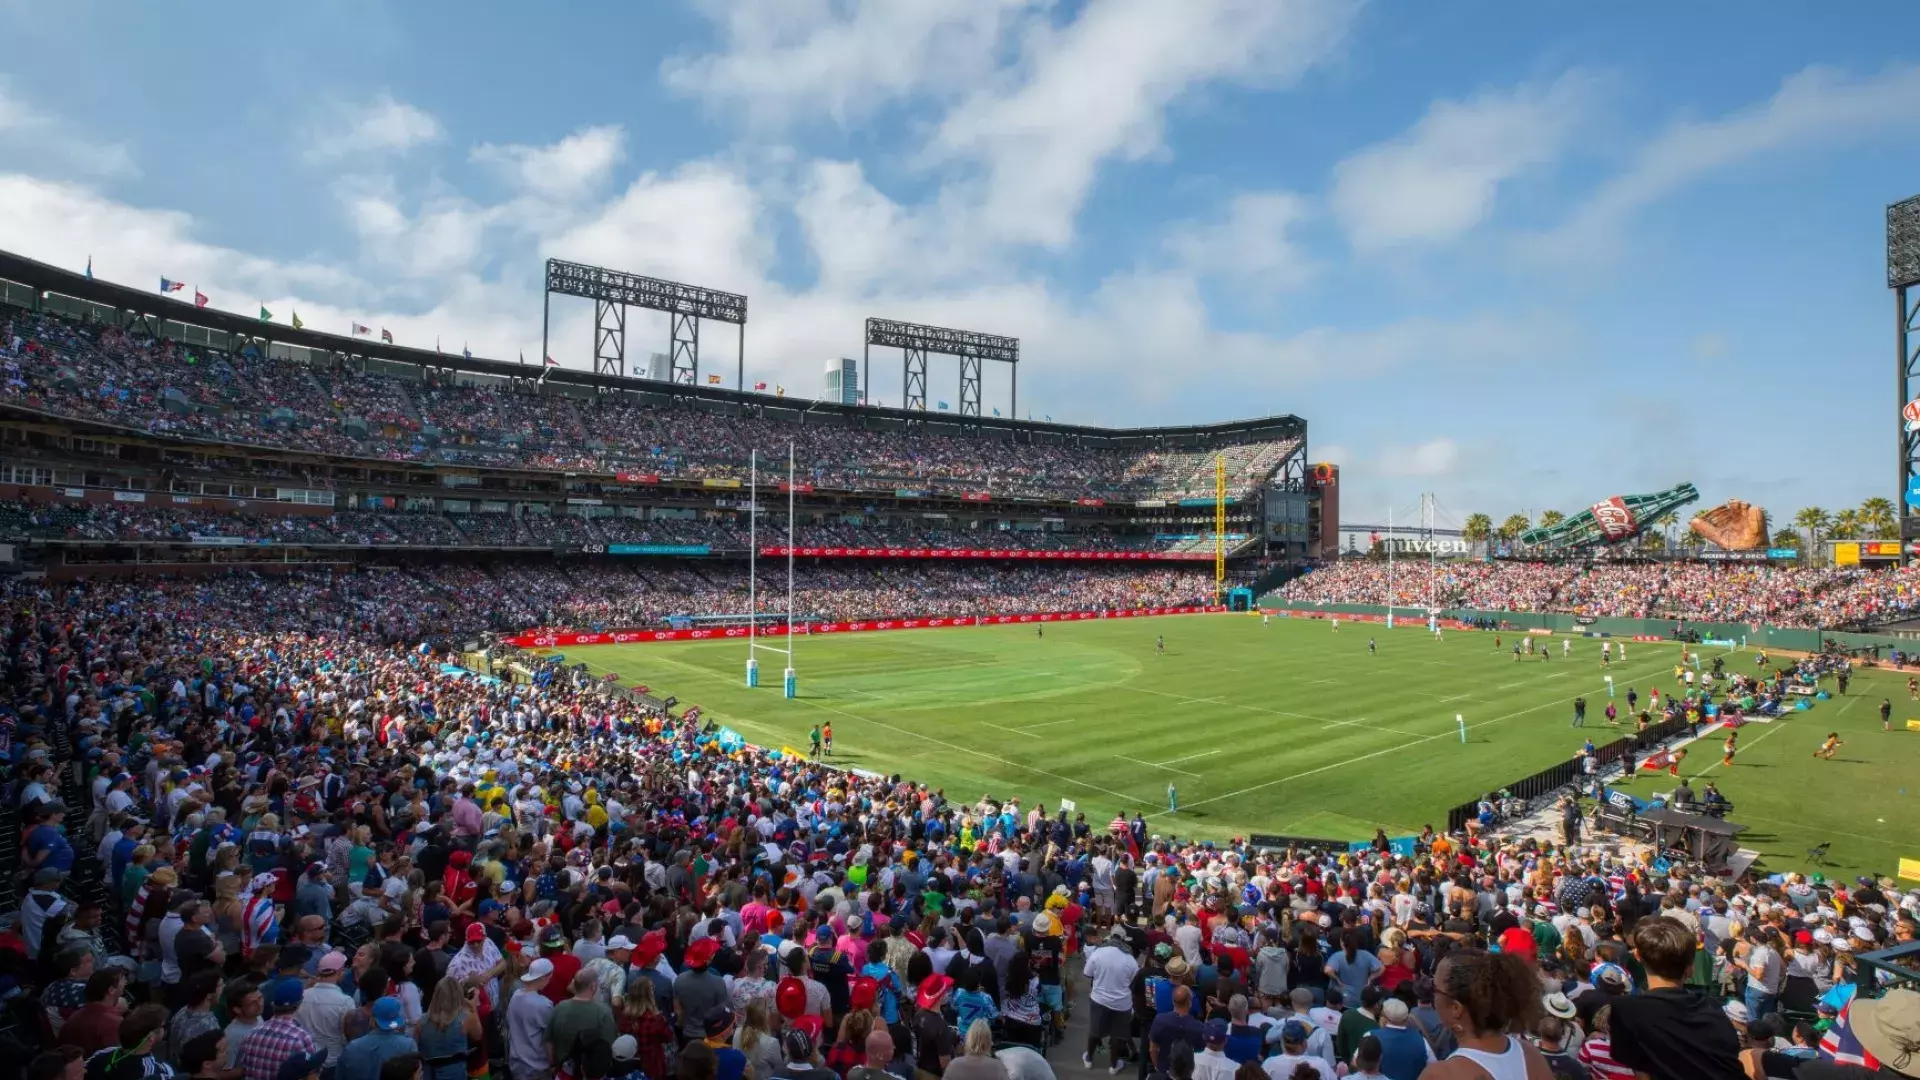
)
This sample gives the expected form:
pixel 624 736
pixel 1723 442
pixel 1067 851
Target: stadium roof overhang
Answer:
pixel 43 278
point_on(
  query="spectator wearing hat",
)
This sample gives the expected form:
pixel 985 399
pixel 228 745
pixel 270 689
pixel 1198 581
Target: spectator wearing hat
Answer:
pixel 626 1060
pixel 1213 1063
pixel 388 1039
pixel 529 1051
pixel 1293 1054
pixel 326 1005
pixel 931 1033
pixel 281 1037
pixel 1404 1053
pixel 1110 969
pixel 302 1067
pixel 716 1034
pixel 609 970
pixel 697 991
pixel 553 946
pixel 479 965
pixel 802 1054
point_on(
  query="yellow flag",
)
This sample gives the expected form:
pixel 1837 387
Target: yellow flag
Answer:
pixel 297 324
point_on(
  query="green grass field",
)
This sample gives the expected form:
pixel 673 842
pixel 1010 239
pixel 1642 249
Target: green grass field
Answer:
pixel 1282 728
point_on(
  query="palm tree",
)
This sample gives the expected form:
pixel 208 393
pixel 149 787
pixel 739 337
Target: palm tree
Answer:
pixel 1550 518
pixel 1511 528
pixel 1846 525
pixel 1665 524
pixel 1815 521
pixel 1786 538
pixel 1878 519
pixel 1478 529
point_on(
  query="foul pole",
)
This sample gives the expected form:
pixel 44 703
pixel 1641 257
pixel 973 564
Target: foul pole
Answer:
pixel 1219 529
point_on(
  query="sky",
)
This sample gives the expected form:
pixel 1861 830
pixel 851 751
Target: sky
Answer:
pixel 1520 255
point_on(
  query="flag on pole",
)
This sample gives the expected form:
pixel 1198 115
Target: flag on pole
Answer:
pixel 297 324
pixel 713 380
pixel 358 330
pixel 265 315
pixel 199 298
pixel 523 356
pixel 551 362
pixel 861 400
pixel 466 352
pixel 89 268
pixel 779 391
pixel 169 285
pixel 996 412
pixel 759 386
pixel 386 335
pixel 943 405
pixel 436 346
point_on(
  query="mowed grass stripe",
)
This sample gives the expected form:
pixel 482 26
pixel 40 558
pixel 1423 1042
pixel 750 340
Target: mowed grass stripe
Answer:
pixel 1291 702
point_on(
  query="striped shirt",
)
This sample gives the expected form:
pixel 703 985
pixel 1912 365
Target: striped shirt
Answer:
pixel 1596 1053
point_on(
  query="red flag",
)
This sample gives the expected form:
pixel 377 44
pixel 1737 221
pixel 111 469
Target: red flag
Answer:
pixel 358 329
pixel 199 298
pixel 759 386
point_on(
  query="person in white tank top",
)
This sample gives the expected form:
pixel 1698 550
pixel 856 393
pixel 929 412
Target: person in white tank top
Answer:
pixel 1481 997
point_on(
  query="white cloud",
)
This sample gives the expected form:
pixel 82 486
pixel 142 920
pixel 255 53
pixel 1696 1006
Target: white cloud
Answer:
pixel 1710 346
pixel 785 60
pixel 1814 106
pixel 30 136
pixel 377 127
pixel 576 166
pixel 1250 243
pixel 1098 88
pixel 1435 457
pixel 1440 178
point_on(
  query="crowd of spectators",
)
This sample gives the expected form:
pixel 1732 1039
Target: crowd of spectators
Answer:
pixel 263 841
pixel 1792 596
pixel 22 520
pixel 58 366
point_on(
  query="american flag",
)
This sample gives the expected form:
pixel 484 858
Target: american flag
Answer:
pixel 1118 824
pixel 386 335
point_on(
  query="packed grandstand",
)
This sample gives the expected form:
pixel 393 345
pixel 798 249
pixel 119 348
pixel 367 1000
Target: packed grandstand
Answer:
pixel 251 793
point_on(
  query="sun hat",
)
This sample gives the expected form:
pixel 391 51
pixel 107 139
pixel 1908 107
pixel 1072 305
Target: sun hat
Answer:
pixel 932 989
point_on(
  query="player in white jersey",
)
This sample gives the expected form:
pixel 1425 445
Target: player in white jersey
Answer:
pixel 1566 646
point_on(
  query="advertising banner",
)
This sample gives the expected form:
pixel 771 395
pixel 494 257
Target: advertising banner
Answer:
pixel 977 496
pixel 800 488
pixel 984 553
pixel 658 549
pixel 720 482
pixel 637 477
pixel 550 639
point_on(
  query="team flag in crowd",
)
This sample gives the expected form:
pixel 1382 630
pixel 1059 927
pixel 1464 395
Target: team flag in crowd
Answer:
pixel 199 298
pixel 265 315
pixel 358 330
pixel 169 285
pixel 386 335
pixel 713 380
pixel 297 324
pixel 759 386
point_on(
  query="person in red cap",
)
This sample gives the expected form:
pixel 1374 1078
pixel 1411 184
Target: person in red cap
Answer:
pixel 698 991
pixel 930 1027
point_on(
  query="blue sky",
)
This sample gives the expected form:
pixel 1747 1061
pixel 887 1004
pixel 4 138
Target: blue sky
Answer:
pixel 1521 255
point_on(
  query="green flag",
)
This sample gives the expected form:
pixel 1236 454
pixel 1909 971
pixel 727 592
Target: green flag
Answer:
pixel 265 315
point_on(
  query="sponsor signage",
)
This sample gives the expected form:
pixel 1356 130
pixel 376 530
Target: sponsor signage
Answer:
pixel 1783 553
pixel 658 549
pixel 130 496
pixel 551 639
pixel 977 496
pixel 1910 412
pixel 1151 504
pixel 909 493
pixel 637 477
pixel 1231 499
pixel 981 553
pixel 1423 545
pixel 1091 502
pixel 1733 556
pixel 719 482
pixel 1880 549
pixel 1615 520
pixel 800 488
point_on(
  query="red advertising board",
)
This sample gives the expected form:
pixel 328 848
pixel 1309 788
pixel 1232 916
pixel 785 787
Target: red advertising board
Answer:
pixel 1091 502
pixel 978 496
pixel 637 477
pixel 801 488
pixel 984 553
pixel 561 639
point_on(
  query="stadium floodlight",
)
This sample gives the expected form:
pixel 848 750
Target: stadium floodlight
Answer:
pixel 613 291
pixel 1903 273
pixel 915 341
